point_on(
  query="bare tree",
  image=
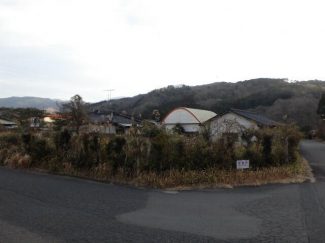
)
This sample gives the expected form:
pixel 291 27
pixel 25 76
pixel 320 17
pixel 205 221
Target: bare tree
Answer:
pixel 74 111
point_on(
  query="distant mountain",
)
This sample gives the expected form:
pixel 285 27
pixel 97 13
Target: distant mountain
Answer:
pixel 31 102
pixel 273 98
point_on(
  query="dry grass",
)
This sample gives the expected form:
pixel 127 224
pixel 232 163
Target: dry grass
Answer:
pixel 308 174
pixel 180 180
pixel 185 180
pixel 101 172
pixel 174 179
pixel 12 158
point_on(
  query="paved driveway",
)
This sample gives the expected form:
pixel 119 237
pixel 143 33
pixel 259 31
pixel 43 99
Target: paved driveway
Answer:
pixel 38 207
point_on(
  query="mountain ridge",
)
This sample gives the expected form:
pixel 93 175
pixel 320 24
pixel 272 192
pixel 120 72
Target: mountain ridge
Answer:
pixel 29 101
pixel 274 98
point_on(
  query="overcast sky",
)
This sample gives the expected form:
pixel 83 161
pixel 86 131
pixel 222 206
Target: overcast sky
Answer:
pixel 59 48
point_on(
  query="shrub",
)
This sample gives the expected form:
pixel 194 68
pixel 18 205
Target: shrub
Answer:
pixel 86 158
pixel 224 153
pixel 198 153
pixel 62 140
pixel 114 152
pixel 150 130
pixel 179 129
pixel 157 160
pixel 294 137
pixel 40 151
pixel 267 151
pixel 151 149
pixel 14 158
pixel 28 139
pixel 8 139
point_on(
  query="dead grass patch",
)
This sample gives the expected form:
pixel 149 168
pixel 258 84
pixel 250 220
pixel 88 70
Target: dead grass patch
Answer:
pixel 18 161
pixel 213 178
pixel 308 174
pixel 186 180
pixel 13 158
pixel 175 179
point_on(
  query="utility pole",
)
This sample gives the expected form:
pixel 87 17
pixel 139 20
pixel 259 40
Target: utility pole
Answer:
pixel 110 93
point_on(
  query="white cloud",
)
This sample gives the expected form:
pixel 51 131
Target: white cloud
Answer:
pixel 136 46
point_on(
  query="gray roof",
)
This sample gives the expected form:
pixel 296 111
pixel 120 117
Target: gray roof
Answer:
pixel 7 123
pixel 98 117
pixel 102 117
pixel 262 120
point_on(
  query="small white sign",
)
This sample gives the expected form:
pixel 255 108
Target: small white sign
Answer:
pixel 242 164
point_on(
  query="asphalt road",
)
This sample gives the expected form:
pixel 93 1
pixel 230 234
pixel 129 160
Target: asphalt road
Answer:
pixel 37 207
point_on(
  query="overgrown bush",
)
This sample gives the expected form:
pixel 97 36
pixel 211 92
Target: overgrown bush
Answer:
pixel 62 140
pixel 8 139
pixel 149 149
pixel 267 151
pixel 14 158
pixel 115 154
pixel 150 130
pixel 40 151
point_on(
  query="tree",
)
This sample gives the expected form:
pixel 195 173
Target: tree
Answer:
pixel 74 111
pixel 321 106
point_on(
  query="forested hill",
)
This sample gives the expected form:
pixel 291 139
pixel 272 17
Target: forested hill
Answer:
pixel 273 98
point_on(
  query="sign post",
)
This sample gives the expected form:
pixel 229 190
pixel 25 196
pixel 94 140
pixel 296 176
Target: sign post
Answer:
pixel 242 164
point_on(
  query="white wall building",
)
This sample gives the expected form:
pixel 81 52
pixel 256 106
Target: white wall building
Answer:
pixel 190 119
pixel 234 121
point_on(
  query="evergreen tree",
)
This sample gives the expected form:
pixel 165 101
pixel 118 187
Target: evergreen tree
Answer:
pixel 321 106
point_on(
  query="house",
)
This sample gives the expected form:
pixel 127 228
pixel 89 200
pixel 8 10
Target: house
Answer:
pixel 7 124
pixel 50 118
pixel 34 122
pixel 190 119
pixel 48 121
pixel 232 122
pixel 111 122
pixel 45 122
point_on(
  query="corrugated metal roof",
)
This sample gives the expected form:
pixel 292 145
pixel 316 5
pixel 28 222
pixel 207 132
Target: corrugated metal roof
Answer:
pixel 119 119
pixel 4 122
pixel 116 119
pixel 255 117
pixel 97 118
pixel 201 115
